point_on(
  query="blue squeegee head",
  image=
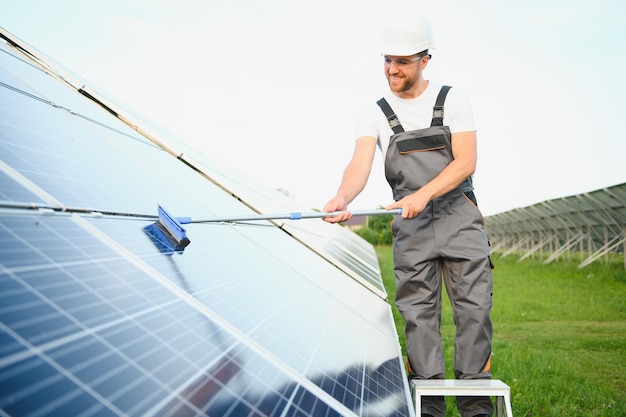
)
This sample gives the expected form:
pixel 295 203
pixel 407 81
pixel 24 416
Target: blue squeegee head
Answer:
pixel 173 227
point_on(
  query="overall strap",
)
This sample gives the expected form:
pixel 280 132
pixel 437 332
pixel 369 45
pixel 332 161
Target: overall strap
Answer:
pixel 437 120
pixel 438 109
pixel 393 120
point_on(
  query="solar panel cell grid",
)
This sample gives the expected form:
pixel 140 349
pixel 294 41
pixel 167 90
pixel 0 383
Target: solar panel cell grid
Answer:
pixel 97 317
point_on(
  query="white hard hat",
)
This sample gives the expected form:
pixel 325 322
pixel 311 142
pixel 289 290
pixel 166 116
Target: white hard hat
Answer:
pixel 407 36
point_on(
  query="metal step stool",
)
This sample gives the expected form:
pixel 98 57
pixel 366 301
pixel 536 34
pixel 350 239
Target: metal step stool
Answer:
pixel 463 387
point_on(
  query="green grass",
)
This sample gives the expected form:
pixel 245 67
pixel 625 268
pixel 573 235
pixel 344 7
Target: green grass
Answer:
pixel 559 335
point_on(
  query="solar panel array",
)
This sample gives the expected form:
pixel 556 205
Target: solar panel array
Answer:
pixel 593 224
pixel 100 317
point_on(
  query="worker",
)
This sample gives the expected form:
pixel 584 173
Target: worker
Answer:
pixel 427 136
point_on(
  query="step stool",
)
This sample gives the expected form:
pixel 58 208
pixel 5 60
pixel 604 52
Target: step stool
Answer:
pixel 463 387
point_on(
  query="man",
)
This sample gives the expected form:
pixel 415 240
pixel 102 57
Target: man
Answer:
pixel 428 139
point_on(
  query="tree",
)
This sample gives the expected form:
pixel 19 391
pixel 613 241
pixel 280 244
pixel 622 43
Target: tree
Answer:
pixel 377 230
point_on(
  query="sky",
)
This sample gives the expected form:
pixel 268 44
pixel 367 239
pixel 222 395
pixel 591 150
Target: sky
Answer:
pixel 274 88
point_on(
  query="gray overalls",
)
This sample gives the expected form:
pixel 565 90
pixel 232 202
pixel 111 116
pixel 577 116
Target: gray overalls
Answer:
pixel 446 239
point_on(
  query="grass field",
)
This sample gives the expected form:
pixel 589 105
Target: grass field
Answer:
pixel 559 335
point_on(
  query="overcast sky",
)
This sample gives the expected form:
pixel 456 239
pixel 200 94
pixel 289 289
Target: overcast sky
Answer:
pixel 274 87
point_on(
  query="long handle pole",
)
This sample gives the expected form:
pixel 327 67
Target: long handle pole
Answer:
pixel 286 216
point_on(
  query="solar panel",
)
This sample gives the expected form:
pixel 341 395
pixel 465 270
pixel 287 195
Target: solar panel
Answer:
pixel 99 316
pixel 346 250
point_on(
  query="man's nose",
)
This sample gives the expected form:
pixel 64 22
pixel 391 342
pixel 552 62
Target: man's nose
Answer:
pixel 393 68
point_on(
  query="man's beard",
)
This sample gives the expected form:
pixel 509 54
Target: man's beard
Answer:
pixel 404 86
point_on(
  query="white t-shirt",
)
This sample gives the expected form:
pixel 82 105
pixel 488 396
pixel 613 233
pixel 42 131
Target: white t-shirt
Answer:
pixel 417 113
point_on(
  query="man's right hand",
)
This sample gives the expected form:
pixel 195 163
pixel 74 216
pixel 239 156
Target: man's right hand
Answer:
pixel 337 204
